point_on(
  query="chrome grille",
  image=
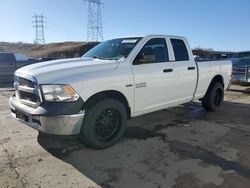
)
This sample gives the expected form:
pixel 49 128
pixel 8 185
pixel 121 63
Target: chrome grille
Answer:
pixel 27 91
pixel 25 82
pixel 28 96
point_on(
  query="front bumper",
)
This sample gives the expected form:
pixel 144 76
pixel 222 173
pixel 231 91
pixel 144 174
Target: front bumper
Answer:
pixel 57 124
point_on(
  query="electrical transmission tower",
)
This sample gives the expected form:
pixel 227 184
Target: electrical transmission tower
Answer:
pixel 39 25
pixel 94 28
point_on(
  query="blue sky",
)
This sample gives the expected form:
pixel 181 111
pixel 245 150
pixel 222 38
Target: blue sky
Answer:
pixel 217 24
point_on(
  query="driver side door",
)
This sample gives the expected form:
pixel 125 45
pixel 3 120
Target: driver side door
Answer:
pixel 154 77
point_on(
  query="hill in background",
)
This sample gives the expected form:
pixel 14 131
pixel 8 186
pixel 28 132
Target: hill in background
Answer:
pixel 52 50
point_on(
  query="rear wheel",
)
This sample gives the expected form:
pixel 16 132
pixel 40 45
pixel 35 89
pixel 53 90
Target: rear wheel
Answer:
pixel 104 123
pixel 214 97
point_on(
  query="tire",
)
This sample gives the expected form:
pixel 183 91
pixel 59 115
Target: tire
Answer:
pixel 214 97
pixel 104 123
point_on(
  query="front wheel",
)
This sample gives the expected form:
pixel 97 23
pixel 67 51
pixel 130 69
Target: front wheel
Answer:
pixel 104 123
pixel 214 97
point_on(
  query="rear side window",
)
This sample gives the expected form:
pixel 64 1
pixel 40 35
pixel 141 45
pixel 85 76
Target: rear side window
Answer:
pixel 180 50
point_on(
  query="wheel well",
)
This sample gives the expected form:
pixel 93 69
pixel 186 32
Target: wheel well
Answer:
pixel 108 94
pixel 216 79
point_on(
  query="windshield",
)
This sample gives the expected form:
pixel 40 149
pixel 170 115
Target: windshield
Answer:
pixel 113 49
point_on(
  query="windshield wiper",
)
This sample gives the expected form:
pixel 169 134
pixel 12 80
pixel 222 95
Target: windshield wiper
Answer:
pixel 118 57
pixel 103 58
pixel 96 57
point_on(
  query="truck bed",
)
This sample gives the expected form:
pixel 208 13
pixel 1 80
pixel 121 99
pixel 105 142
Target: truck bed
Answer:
pixel 207 70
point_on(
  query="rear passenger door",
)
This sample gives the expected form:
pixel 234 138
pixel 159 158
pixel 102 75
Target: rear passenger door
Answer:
pixel 185 69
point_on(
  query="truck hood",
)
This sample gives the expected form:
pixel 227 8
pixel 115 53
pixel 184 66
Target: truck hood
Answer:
pixel 51 71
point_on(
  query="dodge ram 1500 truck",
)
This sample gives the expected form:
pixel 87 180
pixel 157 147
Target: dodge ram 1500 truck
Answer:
pixel 94 95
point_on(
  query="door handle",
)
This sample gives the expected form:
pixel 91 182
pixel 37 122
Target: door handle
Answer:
pixel 167 70
pixel 191 68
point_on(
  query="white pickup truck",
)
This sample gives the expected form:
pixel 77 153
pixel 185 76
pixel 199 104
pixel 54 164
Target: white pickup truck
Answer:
pixel 94 95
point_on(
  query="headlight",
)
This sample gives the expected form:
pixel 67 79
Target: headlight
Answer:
pixel 59 93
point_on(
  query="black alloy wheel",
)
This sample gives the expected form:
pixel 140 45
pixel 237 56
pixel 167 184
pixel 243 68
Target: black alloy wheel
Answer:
pixel 104 123
pixel 107 124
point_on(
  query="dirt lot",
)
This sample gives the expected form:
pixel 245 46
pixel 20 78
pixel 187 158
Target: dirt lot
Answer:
pixel 178 147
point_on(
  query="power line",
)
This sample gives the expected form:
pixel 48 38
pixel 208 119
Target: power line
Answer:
pixel 94 27
pixel 39 25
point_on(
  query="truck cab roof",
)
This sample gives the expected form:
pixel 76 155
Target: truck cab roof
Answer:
pixel 152 36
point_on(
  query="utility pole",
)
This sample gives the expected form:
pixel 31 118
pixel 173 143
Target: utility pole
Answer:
pixel 94 25
pixel 39 25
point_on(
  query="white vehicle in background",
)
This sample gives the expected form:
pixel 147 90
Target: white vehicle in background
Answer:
pixel 241 71
pixel 241 67
pixel 237 57
pixel 94 95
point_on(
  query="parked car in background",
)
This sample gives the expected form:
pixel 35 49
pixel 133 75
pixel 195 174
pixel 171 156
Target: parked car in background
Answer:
pixel 45 59
pixel 21 57
pixel 238 56
pixel 9 63
pixel 242 54
pixel 218 56
pixel 7 67
pixel 241 71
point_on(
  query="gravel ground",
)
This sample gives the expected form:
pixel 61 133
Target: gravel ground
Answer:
pixel 181 147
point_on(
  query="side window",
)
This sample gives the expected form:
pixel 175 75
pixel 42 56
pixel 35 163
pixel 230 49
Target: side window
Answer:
pixel 180 50
pixel 154 51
